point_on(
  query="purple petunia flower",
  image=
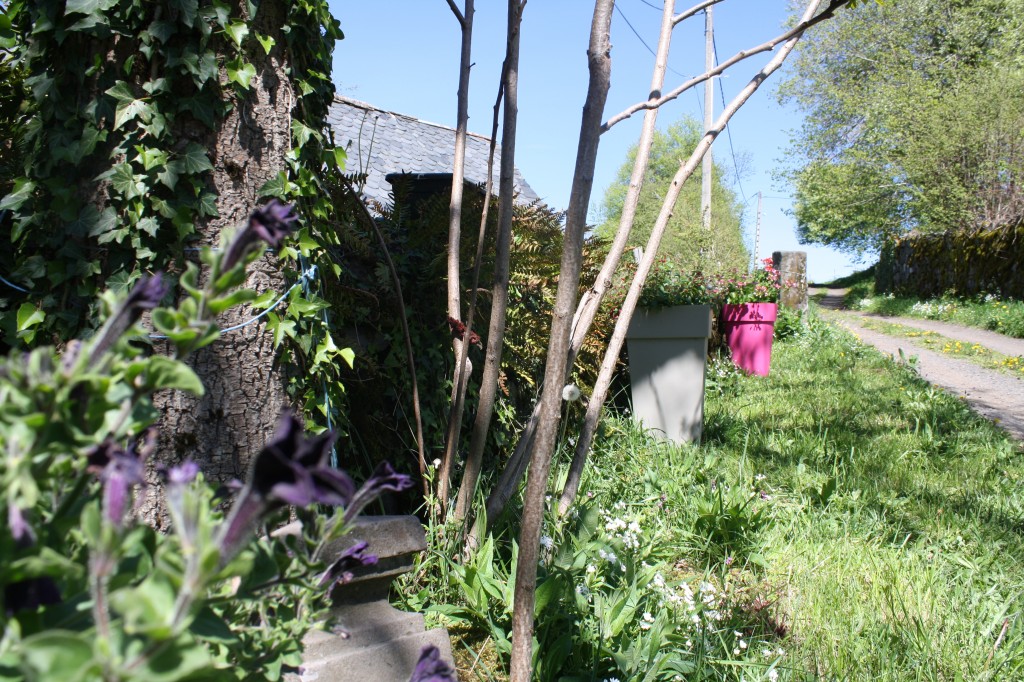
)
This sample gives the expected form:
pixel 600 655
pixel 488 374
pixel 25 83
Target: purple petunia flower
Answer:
pixel 384 479
pixel 352 557
pixel 293 469
pixel 270 223
pixel 431 668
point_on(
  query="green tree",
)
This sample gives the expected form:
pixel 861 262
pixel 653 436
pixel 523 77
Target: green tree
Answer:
pixel 685 242
pixel 914 113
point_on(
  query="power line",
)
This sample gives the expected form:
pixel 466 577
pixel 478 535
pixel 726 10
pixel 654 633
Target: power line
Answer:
pixel 649 49
pixel 652 5
pixel 728 128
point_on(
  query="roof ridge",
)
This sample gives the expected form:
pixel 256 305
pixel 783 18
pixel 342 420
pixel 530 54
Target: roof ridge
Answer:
pixel 366 105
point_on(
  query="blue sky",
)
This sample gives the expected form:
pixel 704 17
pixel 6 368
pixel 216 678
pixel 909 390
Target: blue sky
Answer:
pixel 403 55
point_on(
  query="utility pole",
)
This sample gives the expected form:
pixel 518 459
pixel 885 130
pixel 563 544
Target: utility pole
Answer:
pixel 709 113
pixel 757 231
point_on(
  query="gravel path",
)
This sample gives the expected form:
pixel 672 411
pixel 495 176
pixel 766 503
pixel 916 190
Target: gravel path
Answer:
pixel 995 395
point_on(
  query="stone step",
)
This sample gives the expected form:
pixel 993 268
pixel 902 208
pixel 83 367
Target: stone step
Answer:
pixel 391 661
pixel 362 625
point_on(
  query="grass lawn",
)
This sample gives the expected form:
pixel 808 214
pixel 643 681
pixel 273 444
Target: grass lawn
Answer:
pixel 912 568
pixel 841 521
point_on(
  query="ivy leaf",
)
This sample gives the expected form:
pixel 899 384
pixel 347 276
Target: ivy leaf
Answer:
pixel 89 7
pixel 188 9
pixel 148 225
pixel 277 186
pixel 267 42
pixel 168 177
pixel 124 182
pixel 301 132
pixel 23 189
pixel 29 316
pixel 240 72
pixel 208 204
pixel 131 111
pixel 122 92
pixel 100 222
pixel 195 159
pixel 237 31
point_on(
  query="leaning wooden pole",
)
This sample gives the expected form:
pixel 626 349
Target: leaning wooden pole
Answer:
pixel 686 169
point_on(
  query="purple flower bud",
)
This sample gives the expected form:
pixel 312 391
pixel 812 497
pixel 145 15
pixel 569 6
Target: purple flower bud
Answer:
pixel 145 295
pixel 352 557
pixel 430 667
pixel 384 479
pixel 120 471
pixel 271 223
pixel 21 531
pixel 183 474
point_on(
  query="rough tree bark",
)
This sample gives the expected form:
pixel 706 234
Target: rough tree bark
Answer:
pixel 686 169
pixel 245 386
pixel 499 290
pixel 599 58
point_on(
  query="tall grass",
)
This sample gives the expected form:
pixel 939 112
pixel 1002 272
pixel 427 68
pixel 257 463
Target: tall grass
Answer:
pixel 842 521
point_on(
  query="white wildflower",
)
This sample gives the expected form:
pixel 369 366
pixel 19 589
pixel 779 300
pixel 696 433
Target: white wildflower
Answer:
pixel 571 393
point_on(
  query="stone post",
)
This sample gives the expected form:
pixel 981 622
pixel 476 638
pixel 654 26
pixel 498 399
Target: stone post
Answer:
pixel 369 640
pixel 792 266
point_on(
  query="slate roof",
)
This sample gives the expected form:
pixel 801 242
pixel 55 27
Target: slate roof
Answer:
pixel 381 142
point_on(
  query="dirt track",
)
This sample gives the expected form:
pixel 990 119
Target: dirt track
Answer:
pixel 995 395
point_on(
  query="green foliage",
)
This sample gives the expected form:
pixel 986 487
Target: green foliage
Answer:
pixel 668 285
pixel 415 229
pixel 788 323
pixel 685 242
pixel 913 119
pixel 91 594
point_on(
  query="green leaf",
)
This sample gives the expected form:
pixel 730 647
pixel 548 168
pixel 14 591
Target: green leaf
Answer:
pixel 187 9
pixel 195 159
pixel 88 7
pixel 23 189
pixel 29 316
pixel 147 608
pixel 132 110
pixel 278 186
pixel 266 41
pixel 237 31
pixel 148 225
pixel 122 92
pixel 163 372
pixel 240 72
pixel 124 182
pixel 219 305
pixel 59 655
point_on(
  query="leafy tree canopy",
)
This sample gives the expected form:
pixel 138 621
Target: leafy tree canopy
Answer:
pixel 685 241
pixel 914 113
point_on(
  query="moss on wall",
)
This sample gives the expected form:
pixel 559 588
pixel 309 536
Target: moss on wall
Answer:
pixel 961 263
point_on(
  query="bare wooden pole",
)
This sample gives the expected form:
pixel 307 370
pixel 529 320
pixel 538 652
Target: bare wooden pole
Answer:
pixel 463 368
pixel 499 297
pixel 709 118
pixel 686 169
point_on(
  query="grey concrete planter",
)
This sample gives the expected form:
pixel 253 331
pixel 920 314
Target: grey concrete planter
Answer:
pixel 668 351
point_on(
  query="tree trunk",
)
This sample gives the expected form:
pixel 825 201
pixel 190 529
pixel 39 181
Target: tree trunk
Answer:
pixel 599 58
pixel 245 387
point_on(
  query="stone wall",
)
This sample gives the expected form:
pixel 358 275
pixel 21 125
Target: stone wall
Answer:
pixel 964 263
